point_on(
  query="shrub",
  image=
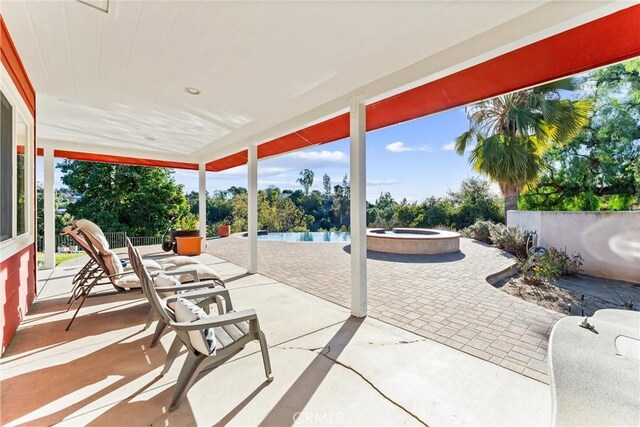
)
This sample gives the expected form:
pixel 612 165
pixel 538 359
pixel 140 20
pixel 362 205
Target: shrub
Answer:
pixel 574 264
pixel 547 267
pixel 568 265
pixel 540 270
pixel 480 230
pixel 188 222
pixel 510 239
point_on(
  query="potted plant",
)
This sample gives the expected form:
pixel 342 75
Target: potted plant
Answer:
pixel 187 237
pixel 224 230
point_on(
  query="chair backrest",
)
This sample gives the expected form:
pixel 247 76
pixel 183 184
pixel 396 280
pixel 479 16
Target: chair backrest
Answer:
pixel 94 234
pixel 108 262
pixel 80 240
pixel 147 282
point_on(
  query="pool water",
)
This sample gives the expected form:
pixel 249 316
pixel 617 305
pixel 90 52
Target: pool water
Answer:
pixel 316 236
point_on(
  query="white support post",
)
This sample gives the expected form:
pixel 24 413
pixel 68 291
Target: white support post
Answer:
pixel 49 210
pixel 358 209
pixel 202 204
pixel 252 208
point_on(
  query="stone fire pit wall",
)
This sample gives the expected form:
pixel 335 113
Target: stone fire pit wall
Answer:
pixel 413 241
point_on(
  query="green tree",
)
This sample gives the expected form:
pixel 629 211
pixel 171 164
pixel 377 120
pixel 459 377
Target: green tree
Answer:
pixel 326 184
pixel 306 180
pixel 62 198
pixel 474 201
pixel 512 132
pixel 138 200
pixel 381 212
pixel 598 169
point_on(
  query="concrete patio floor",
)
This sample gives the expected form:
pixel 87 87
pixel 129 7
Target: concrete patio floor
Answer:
pixel 329 368
pixel 445 298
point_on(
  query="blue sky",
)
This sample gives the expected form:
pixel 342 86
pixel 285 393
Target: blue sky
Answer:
pixel 412 160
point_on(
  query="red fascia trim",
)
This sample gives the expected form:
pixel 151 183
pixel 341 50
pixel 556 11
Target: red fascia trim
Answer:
pixel 329 130
pixel 228 162
pixel 13 64
pixel 104 158
pixel 605 41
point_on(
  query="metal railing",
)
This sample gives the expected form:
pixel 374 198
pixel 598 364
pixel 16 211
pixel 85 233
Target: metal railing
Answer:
pixel 116 240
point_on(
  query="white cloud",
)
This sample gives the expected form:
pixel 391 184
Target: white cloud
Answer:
pixel 375 182
pixel 400 147
pixel 323 155
pixel 450 146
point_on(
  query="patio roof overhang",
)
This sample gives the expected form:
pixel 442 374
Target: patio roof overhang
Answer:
pixel 527 46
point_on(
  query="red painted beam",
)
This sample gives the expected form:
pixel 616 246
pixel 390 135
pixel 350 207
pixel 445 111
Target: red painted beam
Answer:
pixel 605 41
pixel 104 158
pixel 13 64
pixel 320 133
pixel 228 162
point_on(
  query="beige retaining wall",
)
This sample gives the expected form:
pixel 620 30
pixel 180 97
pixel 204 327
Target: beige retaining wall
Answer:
pixel 609 242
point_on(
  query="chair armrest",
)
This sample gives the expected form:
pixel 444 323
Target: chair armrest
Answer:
pixel 186 286
pixel 208 292
pixel 215 321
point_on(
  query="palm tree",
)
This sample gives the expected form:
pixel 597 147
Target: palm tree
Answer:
pixel 513 131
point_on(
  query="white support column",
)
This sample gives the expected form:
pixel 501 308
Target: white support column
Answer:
pixel 252 208
pixel 358 169
pixel 49 210
pixel 202 204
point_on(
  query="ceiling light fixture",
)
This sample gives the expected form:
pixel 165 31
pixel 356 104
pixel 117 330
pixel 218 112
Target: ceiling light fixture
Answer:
pixel 192 90
pixel 149 138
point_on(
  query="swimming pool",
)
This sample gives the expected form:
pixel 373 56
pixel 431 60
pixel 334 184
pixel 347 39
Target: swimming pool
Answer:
pixel 309 236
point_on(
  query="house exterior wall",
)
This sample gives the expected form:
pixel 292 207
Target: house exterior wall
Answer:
pixel 17 256
pixel 609 242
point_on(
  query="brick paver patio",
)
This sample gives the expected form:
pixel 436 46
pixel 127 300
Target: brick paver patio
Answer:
pixel 445 298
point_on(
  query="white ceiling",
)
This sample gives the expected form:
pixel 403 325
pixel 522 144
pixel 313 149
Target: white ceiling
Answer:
pixel 114 82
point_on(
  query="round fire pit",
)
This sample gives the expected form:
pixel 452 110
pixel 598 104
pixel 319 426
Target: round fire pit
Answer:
pixel 413 241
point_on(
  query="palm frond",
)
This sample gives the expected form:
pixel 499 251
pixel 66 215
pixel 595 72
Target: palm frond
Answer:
pixel 568 84
pixel 462 142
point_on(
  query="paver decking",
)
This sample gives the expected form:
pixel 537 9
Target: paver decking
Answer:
pixel 445 298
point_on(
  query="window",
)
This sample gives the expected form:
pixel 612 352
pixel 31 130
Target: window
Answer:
pixel 16 174
pixel 6 169
pixel 21 162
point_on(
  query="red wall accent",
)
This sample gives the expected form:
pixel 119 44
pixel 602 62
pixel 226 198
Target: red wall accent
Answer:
pixel 18 278
pixel 18 272
pixel 13 64
pixel 605 41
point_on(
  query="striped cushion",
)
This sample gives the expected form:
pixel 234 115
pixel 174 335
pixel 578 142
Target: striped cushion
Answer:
pixel 203 341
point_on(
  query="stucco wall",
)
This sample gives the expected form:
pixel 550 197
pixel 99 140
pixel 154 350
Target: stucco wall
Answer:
pixel 609 242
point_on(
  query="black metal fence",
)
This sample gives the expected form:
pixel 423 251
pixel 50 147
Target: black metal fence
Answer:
pixel 65 244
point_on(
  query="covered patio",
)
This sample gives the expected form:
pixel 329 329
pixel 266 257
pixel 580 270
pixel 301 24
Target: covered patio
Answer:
pixel 329 368
pixel 209 86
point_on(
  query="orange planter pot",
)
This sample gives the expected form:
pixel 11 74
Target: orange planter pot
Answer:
pixel 224 230
pixel 189 245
